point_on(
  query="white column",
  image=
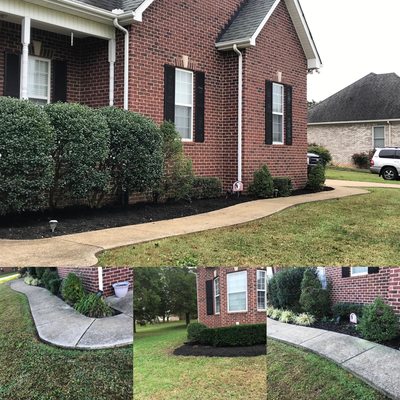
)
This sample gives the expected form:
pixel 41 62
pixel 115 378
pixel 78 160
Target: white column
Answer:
pixel 25 40
pixel 100 276
pixel 111 60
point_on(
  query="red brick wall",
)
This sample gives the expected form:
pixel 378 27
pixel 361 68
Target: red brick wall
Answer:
pixel 393 297
pixel 90 279
pixel 252 316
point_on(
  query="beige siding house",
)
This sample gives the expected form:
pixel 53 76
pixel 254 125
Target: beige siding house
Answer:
pixel 359 118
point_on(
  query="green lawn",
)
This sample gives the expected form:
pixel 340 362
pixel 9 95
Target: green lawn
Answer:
pixel 358 230
pixel 351 174
pixel 32 370
pixel 296 374
pixel 158 374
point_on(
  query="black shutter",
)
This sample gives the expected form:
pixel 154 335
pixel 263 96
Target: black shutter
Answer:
pixel 373 270
pixel 12 77
pixel 288 115
pixel 345 272
pixel 199 112
pixel 60 81
pixel 268 112
pixel 210 297
pixel 169 93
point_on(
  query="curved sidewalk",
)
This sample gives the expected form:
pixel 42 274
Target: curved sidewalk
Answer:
pixel 59 324
pixel 79 250
pixel 375 364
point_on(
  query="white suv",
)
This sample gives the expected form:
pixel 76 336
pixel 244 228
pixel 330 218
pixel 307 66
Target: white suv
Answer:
pixel 386 163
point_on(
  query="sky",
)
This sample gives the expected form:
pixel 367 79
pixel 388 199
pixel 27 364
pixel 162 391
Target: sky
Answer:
pixel 354 38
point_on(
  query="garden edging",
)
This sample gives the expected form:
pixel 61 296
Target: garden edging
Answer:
pixel 375 364
pixel 59 324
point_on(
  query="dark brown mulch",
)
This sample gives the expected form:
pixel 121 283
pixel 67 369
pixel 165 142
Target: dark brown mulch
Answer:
pixel 209 351
pixel 82 219
pixel 350 329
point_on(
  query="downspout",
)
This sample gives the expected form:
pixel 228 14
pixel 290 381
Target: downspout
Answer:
pixel 240 111
pixel 390 132
pixel 126 62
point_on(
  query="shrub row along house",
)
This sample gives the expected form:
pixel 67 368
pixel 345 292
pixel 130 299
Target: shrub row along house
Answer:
pixel 231 296
pixel 358 119
pixel 233 80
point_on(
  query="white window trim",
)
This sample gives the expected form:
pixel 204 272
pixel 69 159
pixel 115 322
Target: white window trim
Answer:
pixel 259 290
pixel 228 293
pixel 281 114
pixel 215 296
pixel 373 136
pixel 358 273
pixel 188 105
pixel 48 98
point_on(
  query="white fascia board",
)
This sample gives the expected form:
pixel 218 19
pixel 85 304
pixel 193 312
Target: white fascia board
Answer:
pixel 264 21
pixel 138 13
pixel 372 121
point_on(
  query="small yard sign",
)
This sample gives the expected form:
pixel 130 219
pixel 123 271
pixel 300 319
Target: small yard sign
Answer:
pixel 353 318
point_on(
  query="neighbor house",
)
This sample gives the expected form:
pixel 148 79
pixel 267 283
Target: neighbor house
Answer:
pixel 100 279
pixel 231 74
pixel 359 118
pixel 231 296
pixel 364 284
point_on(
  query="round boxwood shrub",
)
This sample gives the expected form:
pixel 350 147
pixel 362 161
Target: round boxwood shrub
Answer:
pixel 206 188
pixel 82 144
pixel 26 168
pixel 379 322
pixel 72 289
pixel 93 306
pixel 136 156
pixel 194 331
pixel 283 185
pixel 316 178
pixel 262 185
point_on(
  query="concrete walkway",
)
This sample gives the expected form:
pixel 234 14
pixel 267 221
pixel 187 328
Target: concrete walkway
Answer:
pixel 59 324
pixel 79 250
pixel 375 364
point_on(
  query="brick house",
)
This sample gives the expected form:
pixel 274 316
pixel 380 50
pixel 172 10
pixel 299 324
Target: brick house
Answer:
pixel 364 284
pixel 359 118
pixel 100 279
pixel 231 296
pixel 231 74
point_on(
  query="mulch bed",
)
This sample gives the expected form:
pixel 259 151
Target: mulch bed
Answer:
pixel 209 351
pixel 82 219
pixel 350 329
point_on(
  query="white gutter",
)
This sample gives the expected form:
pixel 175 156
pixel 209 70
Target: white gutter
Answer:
pixel 126 63
pixel 240 110
pixel 354 122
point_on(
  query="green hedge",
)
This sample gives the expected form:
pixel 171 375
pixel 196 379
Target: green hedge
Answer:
pixel 72 289
pixel 206 188
pixel 283 185
pixel 195 330
pixel 26 168
pixel 233 336
pixel 343 310
pixel 316 178
pixel 262 185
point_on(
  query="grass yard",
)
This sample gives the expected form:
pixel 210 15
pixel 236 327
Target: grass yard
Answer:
pixel 32 370
pixel 159 375
pixel 351 174
pixel 296 374
pixel 358 230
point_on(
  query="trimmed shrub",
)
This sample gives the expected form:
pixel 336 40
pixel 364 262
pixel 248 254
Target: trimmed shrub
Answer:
pixel 316 178
pixel 304 319
pixel 179 184
pixel 136 157
pixel 30 280
pixel 287 316
pixel 40 271
pixel 26 168
pixel 270 310
pixel 322 151
pixel 343 310
pixel 379 322
pixel 206 188
pixel 82 142
pixel 72 289
pixel 55 285
pixel 272 292
pixel 314 299
pixel 276 313
pixel 93 306
pixel 283 185
pixel 362 160
pixel 32 271
pixel 232 336
pixel 194 331
pixel 262 185
pixel 49 276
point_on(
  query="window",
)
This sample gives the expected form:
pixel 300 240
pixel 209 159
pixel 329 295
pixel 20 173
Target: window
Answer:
pixel 387 154
pixel 261 290
pixel 379 137
pixel 358 271
pixel 237 291
pixel 184 103
pixel 277 113
pixel 39 80
pixel 217 297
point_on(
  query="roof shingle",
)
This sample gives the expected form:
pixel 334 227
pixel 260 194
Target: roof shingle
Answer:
pixel 109 5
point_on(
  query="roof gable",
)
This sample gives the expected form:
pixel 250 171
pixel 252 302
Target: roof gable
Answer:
pixel 374 97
